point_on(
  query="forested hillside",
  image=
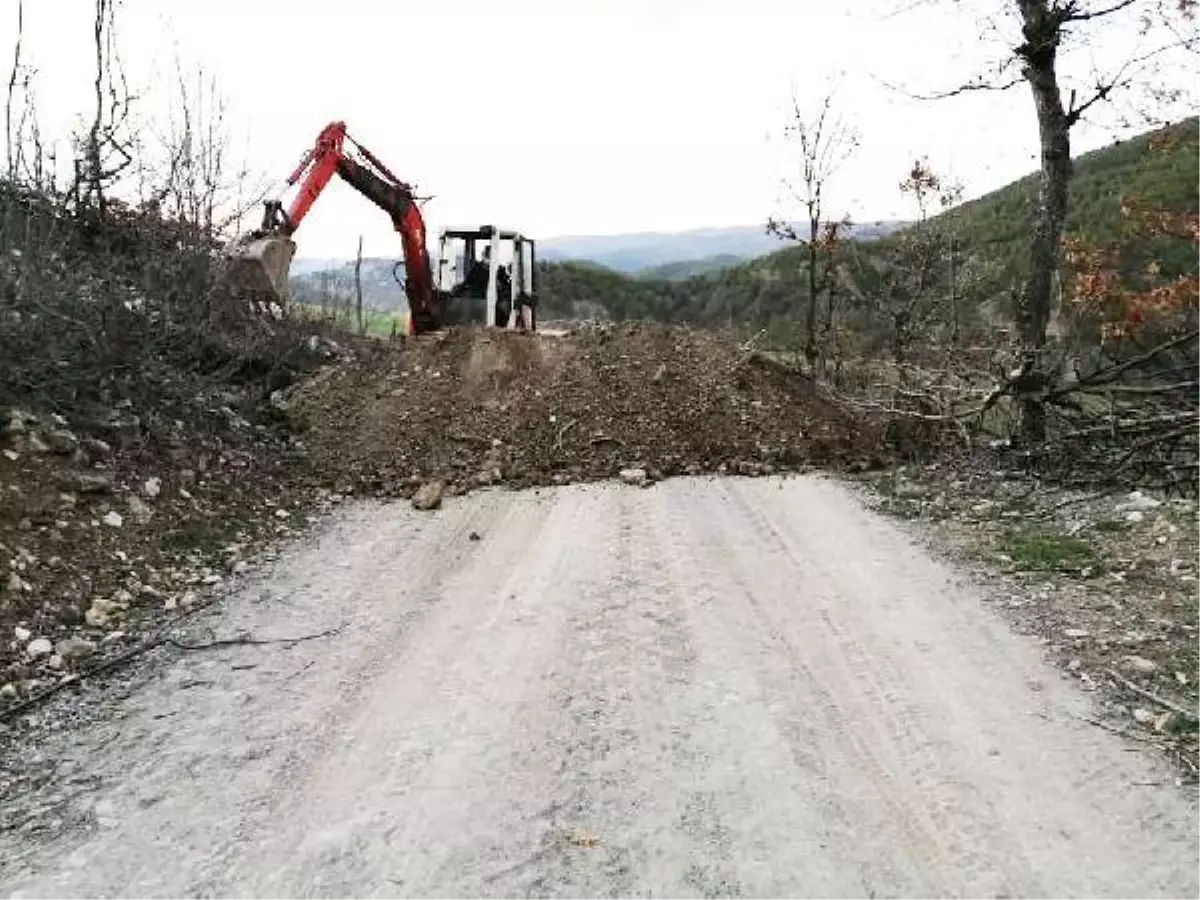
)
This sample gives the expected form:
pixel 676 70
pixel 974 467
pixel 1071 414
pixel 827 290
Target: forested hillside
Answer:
pixel 1158 168
pixel 690 268
pixel 983 241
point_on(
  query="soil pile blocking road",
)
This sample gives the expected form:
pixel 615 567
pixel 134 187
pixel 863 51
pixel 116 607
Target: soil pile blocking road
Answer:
pixel 472 408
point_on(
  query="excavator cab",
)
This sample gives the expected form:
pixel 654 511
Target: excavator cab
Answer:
pixel 488 274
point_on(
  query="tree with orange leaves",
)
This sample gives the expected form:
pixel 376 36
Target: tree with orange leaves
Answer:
pixel 1141 299
pixel 1036 55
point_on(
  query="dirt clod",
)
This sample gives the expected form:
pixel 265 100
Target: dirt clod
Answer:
pixel 75 649
pixel 97 449
pixel 62 441
pixel 88 483
pixel 1140 665
pixel 429 495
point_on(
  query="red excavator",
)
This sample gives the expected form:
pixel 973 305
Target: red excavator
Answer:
pixel 263 258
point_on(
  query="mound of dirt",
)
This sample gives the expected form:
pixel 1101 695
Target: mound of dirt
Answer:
pixel 473 408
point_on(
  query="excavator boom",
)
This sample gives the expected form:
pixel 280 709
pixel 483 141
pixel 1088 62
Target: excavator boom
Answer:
pixel 263 260
pixel 316 167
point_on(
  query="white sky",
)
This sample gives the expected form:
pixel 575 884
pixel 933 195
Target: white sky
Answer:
pixel 564 117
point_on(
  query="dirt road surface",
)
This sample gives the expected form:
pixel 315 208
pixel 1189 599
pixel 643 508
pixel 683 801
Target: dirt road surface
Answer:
pixel 706 688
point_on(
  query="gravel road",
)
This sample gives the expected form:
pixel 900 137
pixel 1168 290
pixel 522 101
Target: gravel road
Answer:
pixel 706 688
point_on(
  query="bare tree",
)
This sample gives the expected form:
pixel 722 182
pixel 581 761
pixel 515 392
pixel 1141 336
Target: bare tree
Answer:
pixel 26 159
pixel 1035 55
pixel 185 165
pixel 1044 25
pixel 358 300
pixel 908 285
pixel 826 141
pixel 104 153
pixel 11 140
pixel 325 291
pixel 1044 28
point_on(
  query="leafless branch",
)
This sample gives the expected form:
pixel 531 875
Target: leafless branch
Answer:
pixel 826 142
pixel 11 139
pixel 1143 389
pixel 970 87
pixel 1128 426
pixel 1074 12
pixel 1129 71
pixel 246 640
pixel 1112 373
pixel 1189 714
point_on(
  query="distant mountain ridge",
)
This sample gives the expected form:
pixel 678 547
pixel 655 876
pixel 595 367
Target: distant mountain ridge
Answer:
pixel 635 252
pixel 690 268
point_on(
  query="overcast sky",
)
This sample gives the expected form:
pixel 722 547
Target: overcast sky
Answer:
pixel 561 117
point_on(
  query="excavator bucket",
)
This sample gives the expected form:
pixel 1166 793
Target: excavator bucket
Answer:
pixel 260 266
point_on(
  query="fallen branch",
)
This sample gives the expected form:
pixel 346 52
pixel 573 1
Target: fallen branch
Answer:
pixel 1161 701
pixel 1127 426
pixel 1142 389
pixel 952 420
pixel 1006 387
pixel 1154 439
pixel 1072 501
pixel 469 439
pixel 1112 373
pixel 158 639
pixel 100 668
pixel 252 641
pixel 749 345
pixel 1112 729
pixel 562 432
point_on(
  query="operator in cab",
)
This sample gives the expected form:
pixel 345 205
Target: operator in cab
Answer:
pixel 476 281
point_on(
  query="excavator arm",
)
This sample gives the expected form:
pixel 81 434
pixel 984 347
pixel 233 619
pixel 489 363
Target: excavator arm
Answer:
pixel 375 181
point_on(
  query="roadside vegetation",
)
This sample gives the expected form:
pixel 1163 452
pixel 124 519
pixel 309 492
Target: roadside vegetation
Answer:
pixel 142 461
